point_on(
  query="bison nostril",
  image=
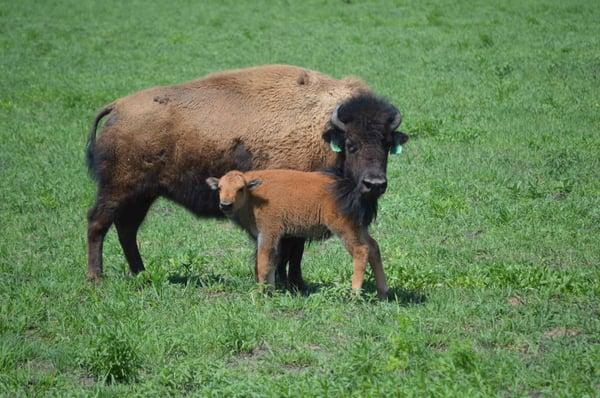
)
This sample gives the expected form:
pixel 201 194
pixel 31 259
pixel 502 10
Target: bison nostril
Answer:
pixel 377 185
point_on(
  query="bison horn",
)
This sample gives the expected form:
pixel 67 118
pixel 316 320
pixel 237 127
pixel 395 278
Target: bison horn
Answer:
pixel 336 121
pixel 396 120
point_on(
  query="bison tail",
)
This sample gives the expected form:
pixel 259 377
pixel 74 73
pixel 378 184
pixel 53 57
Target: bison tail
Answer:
pixel 90 155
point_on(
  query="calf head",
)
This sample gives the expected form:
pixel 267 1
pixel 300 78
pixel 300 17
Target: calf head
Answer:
pixel 233 190
pixel 362 131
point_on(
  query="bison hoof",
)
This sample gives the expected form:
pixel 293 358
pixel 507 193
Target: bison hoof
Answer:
pixel 296 285
pixel 94 277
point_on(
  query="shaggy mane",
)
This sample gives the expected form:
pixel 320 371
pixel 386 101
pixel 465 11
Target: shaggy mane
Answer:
pixel 349 199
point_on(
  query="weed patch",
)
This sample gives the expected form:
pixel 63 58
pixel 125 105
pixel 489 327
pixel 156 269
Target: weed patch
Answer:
pixel 114 356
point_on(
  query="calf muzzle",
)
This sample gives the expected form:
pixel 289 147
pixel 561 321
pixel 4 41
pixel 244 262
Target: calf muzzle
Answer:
pixel 225 206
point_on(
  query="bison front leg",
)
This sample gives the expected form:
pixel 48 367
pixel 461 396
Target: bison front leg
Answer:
pixel 377 266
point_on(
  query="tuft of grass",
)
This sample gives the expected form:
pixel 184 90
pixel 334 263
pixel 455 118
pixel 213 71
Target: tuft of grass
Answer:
pixel 114 357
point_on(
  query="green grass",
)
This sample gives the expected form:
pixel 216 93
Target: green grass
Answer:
pixel 490 231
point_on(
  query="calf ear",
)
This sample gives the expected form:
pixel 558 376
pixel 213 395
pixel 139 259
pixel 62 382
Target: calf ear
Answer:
pixel 213 183
pixel 254 183
pixel 336 138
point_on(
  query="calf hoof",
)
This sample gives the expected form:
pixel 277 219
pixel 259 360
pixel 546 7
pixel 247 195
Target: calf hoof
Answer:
pixel 265 289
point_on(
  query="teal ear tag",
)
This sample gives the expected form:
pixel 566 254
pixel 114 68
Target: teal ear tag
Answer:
pixel 396 150
pixel 334 147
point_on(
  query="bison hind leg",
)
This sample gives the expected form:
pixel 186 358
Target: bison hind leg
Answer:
pixel 282 261
pixel 291 251
pixel 100 217
pixel 295 271
pixel 128 222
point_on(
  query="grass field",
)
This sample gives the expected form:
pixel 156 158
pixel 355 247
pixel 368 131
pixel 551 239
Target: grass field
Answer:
pixel 490 230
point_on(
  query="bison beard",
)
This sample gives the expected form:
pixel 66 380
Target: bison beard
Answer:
pixel 361 209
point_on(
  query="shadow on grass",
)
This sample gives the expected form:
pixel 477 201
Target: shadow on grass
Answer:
pixel 406 296
pixel 399 295
pixel 396 294
pixel 198 280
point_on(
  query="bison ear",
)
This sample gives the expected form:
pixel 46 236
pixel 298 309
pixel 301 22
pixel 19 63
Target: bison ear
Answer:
pixel 213 183
pixel 399 139
pixel 395 118
pixel 335 137
pixel 254 183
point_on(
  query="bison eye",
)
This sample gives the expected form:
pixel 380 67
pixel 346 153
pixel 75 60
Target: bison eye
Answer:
pixel 351 147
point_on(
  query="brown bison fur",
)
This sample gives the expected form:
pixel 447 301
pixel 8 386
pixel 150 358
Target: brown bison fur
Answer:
pixel 165 141
pixel 271 204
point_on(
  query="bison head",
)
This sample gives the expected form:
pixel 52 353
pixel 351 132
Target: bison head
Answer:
pixel 363 132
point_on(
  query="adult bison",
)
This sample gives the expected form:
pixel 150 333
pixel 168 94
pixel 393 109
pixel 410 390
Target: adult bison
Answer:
pixel 165 141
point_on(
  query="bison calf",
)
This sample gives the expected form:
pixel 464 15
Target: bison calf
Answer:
pixel 273 204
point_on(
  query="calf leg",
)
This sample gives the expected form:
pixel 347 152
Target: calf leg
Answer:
pixel 265 258
pixel 100 218
pixel 359 256
pixel 128 222
pixel 359 252
pixel 377 266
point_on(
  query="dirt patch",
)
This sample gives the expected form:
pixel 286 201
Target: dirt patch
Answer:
pixel 255 354
pixel 41 366
pixel 474 234
pixel 215 293
pixel 515 301
pixel 314 347
pixel 294 368
pixel 87 381
pixel 534 393
pixel 561 332
pixel 30 331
